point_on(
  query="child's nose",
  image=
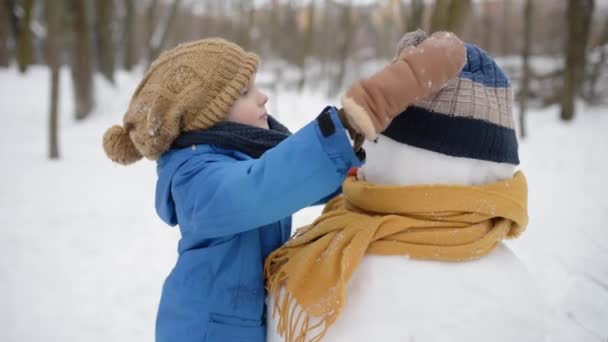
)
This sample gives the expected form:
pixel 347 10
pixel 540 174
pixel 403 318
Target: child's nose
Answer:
pixel 263 98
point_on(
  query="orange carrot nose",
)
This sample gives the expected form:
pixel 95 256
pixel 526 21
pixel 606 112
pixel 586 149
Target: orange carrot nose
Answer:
pixel 352 171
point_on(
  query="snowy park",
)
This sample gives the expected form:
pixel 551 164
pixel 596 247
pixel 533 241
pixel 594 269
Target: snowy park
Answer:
pixel 85 255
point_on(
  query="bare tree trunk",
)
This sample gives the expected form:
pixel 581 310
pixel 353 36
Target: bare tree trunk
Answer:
pixel 382 34
pixel 525 55
pixel 604 36
pixel 578 16
pixel 103 34
pixel 150 24
pixel 24 56
pixel 307 46
pixel 11 10
pixel 275 23
pixel 594 96
pixel 595 73
pixel 326 43
pixel 347 30
pixel 414 19
pixel 486 25
pixel 82 66
pixel 440 14
pixel 459 12
pixel 450 15
pixel 245 23
pixel 129 32
pixel 159 37
pixel 506 29
pixel 5 53
pixel 53 60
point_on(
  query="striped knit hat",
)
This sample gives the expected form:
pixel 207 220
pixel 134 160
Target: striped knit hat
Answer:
pixel 190 87
pixel 470 117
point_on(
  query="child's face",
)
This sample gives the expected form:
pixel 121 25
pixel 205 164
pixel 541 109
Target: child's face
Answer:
pixel 249 108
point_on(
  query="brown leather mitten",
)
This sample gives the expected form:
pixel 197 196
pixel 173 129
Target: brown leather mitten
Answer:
pixel 418 72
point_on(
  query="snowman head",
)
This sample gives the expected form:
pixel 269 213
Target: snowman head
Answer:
pixel 464 134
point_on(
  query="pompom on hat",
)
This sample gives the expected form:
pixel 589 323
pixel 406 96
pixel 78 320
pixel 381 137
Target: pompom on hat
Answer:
pixel 190 87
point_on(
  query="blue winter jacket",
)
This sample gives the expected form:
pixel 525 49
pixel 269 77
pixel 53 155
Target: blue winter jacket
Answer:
pixel 233 211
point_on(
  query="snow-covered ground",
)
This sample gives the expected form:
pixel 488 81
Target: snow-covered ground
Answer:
pixel 83 255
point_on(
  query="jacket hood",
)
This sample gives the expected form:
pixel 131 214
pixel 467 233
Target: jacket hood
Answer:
pixel 166 168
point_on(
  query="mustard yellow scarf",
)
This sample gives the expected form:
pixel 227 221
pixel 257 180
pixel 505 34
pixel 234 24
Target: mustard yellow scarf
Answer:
pixel 434 222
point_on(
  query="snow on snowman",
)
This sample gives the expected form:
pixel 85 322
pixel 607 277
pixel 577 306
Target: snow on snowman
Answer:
pixel 413 250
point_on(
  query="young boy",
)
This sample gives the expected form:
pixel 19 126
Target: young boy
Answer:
pixel 231 176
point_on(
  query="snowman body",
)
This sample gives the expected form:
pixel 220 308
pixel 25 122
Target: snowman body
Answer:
pixel 393 298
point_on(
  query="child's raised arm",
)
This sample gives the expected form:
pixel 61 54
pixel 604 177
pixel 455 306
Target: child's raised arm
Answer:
pixel 223 196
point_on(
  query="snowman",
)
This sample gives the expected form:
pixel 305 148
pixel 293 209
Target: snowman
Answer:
pixel 414 248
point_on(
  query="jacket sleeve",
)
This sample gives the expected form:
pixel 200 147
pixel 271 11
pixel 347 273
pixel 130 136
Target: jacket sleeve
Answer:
pixel 227 196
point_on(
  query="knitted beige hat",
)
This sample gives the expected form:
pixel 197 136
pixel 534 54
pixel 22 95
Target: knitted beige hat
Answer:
pixel 190 87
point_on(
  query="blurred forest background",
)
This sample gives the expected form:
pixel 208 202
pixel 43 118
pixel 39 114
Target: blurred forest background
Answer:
pixel 84 254
pixel 555 51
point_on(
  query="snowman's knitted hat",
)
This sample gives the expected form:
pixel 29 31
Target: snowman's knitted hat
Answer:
pixel 470 117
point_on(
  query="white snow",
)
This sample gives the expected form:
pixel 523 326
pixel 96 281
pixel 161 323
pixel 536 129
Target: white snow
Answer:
pixel 392 298
pixel 84 255
pixel 392 163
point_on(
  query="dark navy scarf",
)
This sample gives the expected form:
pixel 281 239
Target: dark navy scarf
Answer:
pixel 250 140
